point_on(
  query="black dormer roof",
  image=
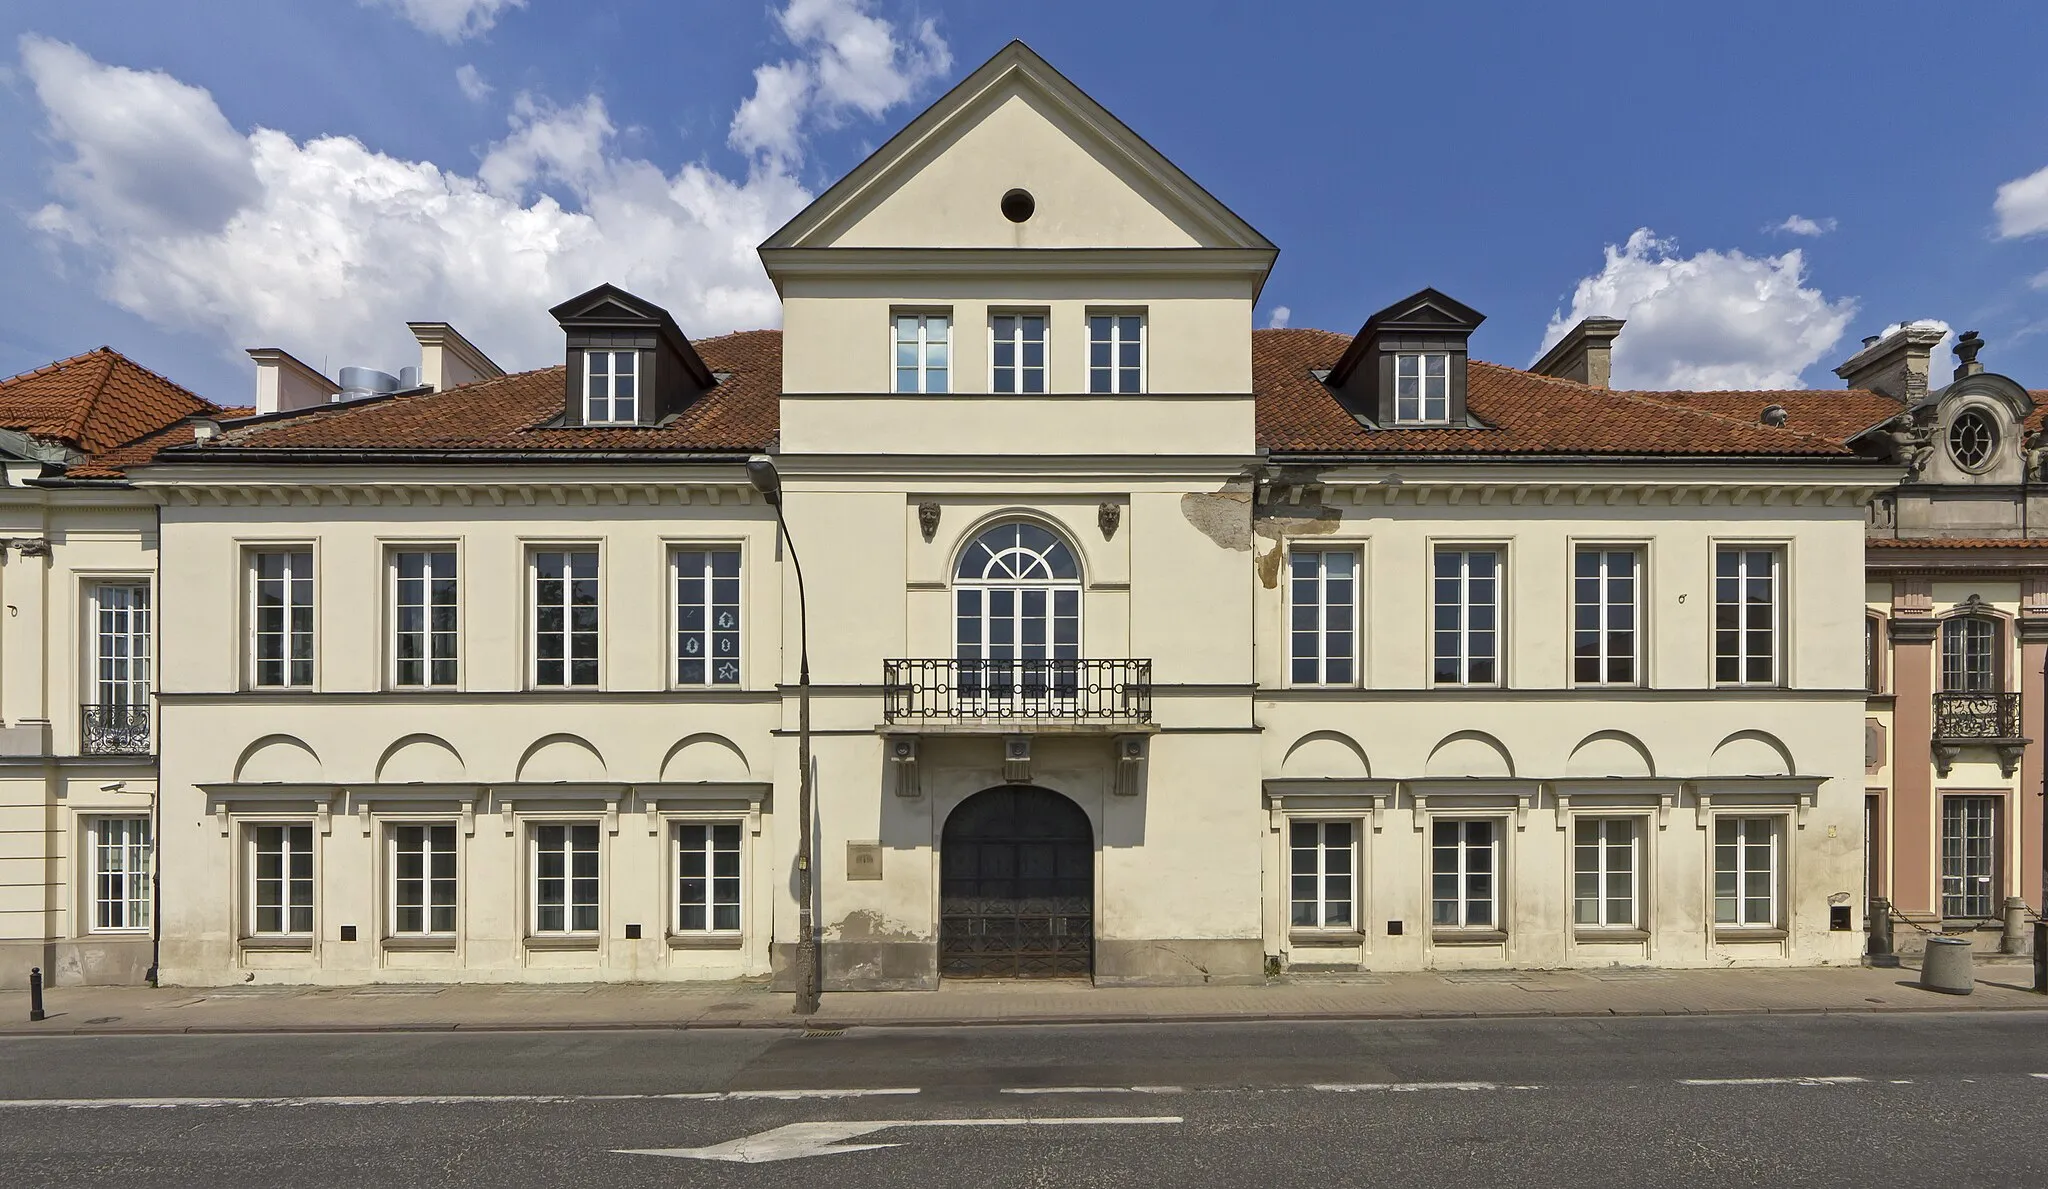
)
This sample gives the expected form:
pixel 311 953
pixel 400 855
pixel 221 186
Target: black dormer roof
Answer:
pixel 610 308
pixel 1428 314
pixel 671 375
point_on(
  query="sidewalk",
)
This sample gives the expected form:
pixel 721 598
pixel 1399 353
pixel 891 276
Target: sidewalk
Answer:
pixel 1488 993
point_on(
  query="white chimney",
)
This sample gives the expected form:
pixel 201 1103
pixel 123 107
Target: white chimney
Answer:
pixel 284 384
pixel 447 359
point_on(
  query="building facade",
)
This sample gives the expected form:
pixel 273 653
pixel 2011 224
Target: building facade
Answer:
pixel 1141 645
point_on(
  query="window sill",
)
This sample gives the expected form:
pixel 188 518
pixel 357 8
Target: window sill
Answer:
pixel 563 942
pixel 1307 939
pixel 1737 936
pixel 705 941
pixel 1596 936
pixel 1468 936
pixel 278 944
pixel 419 943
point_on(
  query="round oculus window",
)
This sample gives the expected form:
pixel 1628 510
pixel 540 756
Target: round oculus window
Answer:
pixel 1971 439
pixel 1018 205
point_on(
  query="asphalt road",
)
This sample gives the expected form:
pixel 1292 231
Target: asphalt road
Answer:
pixel 1745 1100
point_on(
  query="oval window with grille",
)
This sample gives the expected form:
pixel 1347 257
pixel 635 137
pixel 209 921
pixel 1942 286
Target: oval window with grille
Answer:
pixel 1971 439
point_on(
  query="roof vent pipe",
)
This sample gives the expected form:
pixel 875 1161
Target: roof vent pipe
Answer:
pixel 360 382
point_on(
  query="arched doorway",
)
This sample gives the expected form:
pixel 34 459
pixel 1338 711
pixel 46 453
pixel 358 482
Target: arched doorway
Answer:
pixel 1017 887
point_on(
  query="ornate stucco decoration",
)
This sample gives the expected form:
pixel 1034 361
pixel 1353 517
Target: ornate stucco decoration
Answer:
pixel 1107 517
pixel 1912 442
pixel 928 520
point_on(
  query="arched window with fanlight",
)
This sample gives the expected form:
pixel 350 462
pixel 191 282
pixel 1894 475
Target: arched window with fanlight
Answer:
pixel 1017 616
pixel 1969 655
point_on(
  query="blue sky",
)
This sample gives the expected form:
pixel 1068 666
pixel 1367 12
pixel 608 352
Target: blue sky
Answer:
pixel 189 179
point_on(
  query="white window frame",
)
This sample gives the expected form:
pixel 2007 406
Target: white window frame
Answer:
pixel 1464 631
pixel 1497 849
pixel 287 904
pixel 124 672
pixel 708 636
pixel 992 684
pixel 1322 849
pixel 923 341
pixel 1322 655
pixel 1742 655
pixel 427 879
pixel 678 828
pixel 604 410
pixel 1116 341
pixel 394 590
pixel 1603 873
pixel 533 610
pixel 128 840
pixel 1966 876
pixel 253 566
pixel 1774 826
pixel 1427 409
pixel 1604 608
pixel 569 903
pixel 1019 371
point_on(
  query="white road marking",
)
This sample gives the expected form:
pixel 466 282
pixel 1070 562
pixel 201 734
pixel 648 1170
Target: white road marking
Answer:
pixel 1820 1081
pixel 87 1104
pixel 794 1141
pixel 1093 1090
pixel 1407 1087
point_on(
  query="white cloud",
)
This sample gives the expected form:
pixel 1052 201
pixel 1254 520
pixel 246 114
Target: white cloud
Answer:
pixel 2022 205
pixel 325 247
pixel 853 62
pixel 2038 281
pixel 1712 320
pixel 1279 318
pixel 1801 225
pixel 474 88
pixel 450 20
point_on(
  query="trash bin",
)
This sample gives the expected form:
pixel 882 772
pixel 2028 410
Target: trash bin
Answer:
pixel 1946 967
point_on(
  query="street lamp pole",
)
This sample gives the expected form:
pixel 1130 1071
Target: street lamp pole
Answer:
pixel 762 474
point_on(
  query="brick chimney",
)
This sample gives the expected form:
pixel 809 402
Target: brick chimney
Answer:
pixel 1585 353
pixel 1896 364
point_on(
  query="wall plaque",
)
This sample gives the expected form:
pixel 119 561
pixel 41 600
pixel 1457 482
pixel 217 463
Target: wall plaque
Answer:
pixel 863 860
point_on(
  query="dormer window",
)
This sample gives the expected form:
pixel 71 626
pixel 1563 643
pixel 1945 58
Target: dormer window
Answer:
pixel 1972 437
pixel 611 388
pixel 1422 388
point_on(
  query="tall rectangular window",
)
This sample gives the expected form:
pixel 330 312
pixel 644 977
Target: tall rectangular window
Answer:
pixel 1323 591
pixel 1422 388
pixel 121 644
pixel 565 885
pixel 611 387
pixel 1746 616
pixel 423 617
pixel 1116 353
pixel 1467 627
pixel 1017 353
pixel 565 617
pixel 422 880
pixel 707 616
pixel 1605 605
pixel 708 877
pixel 1322 875
pixel 1969 857
pixel 924 345
pixel 281 617
pixel 281 880
pixel 122 862
pixel 1746 872
pixel 1464 861
pixel 1604 872
pixel 1969 655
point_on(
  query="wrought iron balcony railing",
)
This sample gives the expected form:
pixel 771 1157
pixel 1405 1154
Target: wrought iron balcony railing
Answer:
pixel 1110 692
pixel 1977 716
pixel 114 730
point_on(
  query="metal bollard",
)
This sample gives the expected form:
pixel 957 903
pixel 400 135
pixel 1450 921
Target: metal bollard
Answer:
pixel 1880 951
pixel 2014 939
pixel 35 994
pixel 1948 966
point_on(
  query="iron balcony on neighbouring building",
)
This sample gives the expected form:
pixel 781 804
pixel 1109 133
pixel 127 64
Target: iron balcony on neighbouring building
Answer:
pixel 1978 720
pixel 114 730
pixel 1105 692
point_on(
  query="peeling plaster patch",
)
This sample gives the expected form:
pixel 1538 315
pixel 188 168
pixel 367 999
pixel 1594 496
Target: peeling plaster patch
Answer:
pixel 868 925
pixel 1277 522
pixel 1224 515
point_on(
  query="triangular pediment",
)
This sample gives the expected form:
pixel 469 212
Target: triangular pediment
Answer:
pixel 1017 124
pixel 608 303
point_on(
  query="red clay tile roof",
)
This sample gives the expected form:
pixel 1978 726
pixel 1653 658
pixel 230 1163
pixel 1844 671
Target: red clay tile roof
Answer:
pixel 1535 415
pixel 94 402
pixel 1957 543
pixel 113 464
pixel 1526 414
pixel 513 413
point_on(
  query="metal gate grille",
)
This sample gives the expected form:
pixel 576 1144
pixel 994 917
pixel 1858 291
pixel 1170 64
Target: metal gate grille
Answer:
pixel 1017 887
